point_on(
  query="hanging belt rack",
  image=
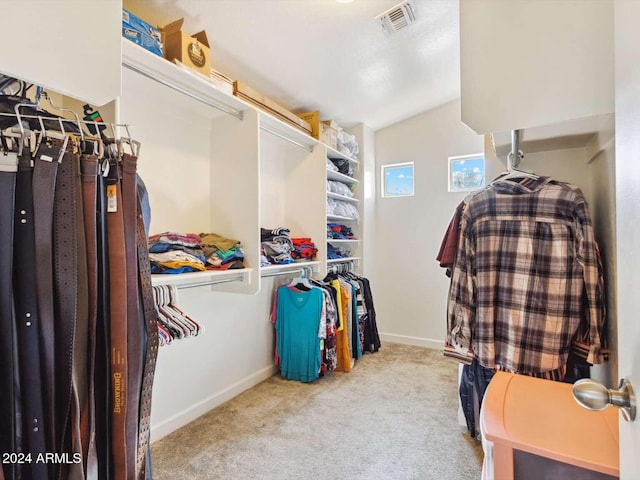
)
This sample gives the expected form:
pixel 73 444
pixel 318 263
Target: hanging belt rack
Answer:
pixel 67 120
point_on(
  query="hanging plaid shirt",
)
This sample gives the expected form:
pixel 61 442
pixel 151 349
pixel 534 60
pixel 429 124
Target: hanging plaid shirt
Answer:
pixel 527 282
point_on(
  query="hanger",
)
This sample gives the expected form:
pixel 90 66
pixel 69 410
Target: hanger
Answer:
pixel 514 157
pixel 301 281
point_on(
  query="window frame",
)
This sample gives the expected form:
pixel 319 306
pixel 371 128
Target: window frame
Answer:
pixel 383 177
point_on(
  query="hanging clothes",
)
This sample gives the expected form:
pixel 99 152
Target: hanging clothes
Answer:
pixel 527 284
pixel 300 325
pixel 346 326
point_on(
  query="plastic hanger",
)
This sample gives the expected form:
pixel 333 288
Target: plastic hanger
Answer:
pixel 301 281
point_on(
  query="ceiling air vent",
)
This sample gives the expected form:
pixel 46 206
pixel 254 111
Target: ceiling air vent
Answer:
pixel 398 17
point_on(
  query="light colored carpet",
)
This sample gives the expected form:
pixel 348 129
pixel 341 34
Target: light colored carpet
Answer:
pixel 393 417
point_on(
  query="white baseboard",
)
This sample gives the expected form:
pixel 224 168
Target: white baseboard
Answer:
pixel 188 415
pixel 408 340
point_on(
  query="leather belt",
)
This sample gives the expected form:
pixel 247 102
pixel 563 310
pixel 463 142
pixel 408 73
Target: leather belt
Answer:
pixel 134 320
pixel 80 379
pixel 27 319
pixel 118 324
pixel 71 312
pixel 102 373
pixel 8 168
pixel 151 350
pixel 44 183
pixel 88 177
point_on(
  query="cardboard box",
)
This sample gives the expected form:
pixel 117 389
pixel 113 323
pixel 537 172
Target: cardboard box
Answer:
pixel 140 32
pixel 328 135
pixel 323 131
pixel 192 51
pixel 248 94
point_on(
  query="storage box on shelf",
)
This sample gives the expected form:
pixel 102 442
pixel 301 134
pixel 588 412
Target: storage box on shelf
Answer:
pixel 141 33
pixel 192 50
pixel 326 131
pixel 257 99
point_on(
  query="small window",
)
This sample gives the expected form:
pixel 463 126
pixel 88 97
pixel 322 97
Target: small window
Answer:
pixel 397 180
pixel 466 173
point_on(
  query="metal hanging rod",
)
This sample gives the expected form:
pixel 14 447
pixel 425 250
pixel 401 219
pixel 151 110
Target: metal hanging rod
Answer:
pixel 307 271
pixel 515 155
pixel 238 278
pixel 284 137
pixel 219 106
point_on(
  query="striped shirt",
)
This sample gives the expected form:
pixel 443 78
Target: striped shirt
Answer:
pixel 527 283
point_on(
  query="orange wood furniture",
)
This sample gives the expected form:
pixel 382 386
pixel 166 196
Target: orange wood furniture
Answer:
pixel 540 417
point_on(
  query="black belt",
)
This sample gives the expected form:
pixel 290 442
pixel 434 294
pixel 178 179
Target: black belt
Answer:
pixel 102 374
pixel 8 168
pixel 44 183
pixel 26 312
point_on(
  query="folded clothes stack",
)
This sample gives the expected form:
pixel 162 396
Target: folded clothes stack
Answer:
pixel 222 253
pixel 339 232
pixel 172 252
pixel 276 246
pixel 342 209
pixel 303 248
pixel 334 253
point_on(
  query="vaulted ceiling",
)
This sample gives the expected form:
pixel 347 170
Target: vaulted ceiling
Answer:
pixel 327 55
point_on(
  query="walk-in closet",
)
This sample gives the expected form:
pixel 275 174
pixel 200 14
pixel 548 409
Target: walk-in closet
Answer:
pixel 332 238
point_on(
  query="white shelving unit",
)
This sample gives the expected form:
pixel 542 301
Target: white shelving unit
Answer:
pixel 344 198
pixel 354 246
pixel 242 168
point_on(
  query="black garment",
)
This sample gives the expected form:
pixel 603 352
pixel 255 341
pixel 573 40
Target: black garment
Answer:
pixel 473 385
pixel 371 336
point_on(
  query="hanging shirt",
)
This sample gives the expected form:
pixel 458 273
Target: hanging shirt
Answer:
pixel 527 280
pixel 297 324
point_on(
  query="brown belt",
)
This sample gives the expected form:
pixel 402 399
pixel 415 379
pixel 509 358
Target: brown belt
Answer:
pixel 44 183
pixel 88 176
pixel 118 320
pixel 134 321
pixel 151 331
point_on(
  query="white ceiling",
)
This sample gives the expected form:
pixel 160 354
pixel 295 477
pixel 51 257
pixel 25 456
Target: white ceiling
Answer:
pixel 328 56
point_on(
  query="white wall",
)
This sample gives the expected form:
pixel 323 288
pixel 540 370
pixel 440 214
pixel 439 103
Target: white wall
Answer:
pixel 410 287
pixel 603 212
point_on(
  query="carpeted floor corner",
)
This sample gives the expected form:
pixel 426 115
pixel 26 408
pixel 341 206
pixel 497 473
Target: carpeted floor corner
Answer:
pixel 393 417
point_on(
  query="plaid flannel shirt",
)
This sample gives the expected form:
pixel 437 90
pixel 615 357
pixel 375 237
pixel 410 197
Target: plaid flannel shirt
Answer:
pixel 527 282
